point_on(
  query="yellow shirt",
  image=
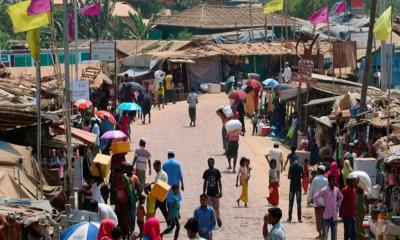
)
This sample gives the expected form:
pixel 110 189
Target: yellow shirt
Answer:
pixel 160 91
pixel 150 205
pixel 168 82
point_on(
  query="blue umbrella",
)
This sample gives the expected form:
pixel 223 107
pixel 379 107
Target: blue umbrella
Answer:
pixel 270 83
pixel 81 231
pixel 129 106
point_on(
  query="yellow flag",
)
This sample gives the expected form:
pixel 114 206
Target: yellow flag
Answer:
pixel 273 6
pixel 22 22
pixel 32 36
pixel 383 26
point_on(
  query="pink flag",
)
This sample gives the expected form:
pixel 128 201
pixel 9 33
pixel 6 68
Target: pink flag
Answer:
pixel 341 8
pixel 71 27
pixel 38 6
pixel 320 16
pixel 91 9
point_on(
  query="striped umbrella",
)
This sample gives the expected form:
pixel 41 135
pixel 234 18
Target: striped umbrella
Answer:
pixel 81 231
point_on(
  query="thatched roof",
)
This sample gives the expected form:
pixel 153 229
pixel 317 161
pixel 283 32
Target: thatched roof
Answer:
pixel 221 17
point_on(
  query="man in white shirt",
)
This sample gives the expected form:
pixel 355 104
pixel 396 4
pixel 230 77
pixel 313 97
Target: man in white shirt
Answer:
pixel 317 184
pixel 276 154
pixel 161 175
pixel 192 101
pixel 103 210
pixel 287 73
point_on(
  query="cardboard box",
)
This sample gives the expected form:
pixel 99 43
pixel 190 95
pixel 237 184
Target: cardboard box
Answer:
pixel 160 190
pixel 120 147
pixel 346 114
pixel 103 162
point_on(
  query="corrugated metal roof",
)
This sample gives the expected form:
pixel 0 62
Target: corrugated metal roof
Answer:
pixel 130 47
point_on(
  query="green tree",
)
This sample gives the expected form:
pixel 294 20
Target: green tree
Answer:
pixel 140 29
pixel 5 41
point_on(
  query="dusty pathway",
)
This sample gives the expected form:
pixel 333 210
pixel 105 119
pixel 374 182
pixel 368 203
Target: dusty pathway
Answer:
pixel 193 146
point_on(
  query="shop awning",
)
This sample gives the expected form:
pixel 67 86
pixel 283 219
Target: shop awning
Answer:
pixel 135 72
pixel 81 135
pixel 177 60
pixel 320 101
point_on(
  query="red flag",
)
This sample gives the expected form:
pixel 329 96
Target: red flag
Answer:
pixel 71 27
pixel 38 6
pixel 320 16
pixel 341 8
pixel 91 9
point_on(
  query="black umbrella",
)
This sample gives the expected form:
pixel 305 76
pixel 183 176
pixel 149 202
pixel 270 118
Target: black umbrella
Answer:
pixel 282 87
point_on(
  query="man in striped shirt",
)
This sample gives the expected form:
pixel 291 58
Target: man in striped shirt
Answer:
pixel 142 158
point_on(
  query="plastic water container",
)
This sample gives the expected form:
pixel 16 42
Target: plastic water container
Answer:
pixel 160 190
pixel 120 147
pixel 104 163
pixel 265 131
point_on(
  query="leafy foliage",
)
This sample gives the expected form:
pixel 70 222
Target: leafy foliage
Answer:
pixel 139 28
pixel 5 39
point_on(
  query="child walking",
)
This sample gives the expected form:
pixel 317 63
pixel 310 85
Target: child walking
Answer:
pixel 160 96
pixel 305 181
pixel 174 214
pixel 243 175
pixel 140 214
pixel 254 121
pixel 150 202
pixel 273 198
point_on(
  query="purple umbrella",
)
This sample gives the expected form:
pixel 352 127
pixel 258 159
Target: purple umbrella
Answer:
pixel 114 134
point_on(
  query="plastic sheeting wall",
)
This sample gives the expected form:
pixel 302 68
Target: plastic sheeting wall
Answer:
pixel 205 71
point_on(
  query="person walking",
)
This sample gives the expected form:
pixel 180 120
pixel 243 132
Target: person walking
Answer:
pixel 212 186
pixel 169 89
pixel 361 211
pixel 175 177
pixel 273 198
pixel 205 215
pixel 295 175
pixel 103 210
pixel 124 123
pixel 243 176
pixel 233 148
pixel 161 175
pixel 146 103
pixel 142 158
pixel 192 229
pixel 192 100
pixel 273 217
pixel 317 184
pixel 175 206
pixel 332 198
pixel 276 154
pixel 348 209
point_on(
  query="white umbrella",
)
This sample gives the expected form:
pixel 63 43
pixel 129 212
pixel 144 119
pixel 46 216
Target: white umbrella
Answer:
pixel 364 180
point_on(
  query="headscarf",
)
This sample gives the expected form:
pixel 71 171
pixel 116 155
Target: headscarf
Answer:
pixel 347 169
pixel 335 171
pixel 106 226
pixel 151 229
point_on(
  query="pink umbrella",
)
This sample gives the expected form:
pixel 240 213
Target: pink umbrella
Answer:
pixel 114 134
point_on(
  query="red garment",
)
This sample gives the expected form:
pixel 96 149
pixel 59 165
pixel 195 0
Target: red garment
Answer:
pixel 335 171
pixel 117 160
pixel 256 97
pixel 151 229
pixel 349 202
pixel 273 198
pixel 124 125
pixel 305 181
pixel 106 226
pixel 122 194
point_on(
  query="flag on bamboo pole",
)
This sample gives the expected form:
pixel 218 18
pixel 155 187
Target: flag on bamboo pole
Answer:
pixel 33 39
pixel 383 26
pixel 340 8
pixel 91 9
pixel 39 6
pixel 320 16
pixel 71 27
pixel 273 6
pixel 22 22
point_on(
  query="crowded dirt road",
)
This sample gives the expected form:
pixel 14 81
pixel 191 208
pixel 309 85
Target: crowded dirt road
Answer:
pixel 170 129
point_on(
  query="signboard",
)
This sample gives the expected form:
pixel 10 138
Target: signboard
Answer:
pixel 103 51
pixel 305 70
pixel 361 39
pixel 80 90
